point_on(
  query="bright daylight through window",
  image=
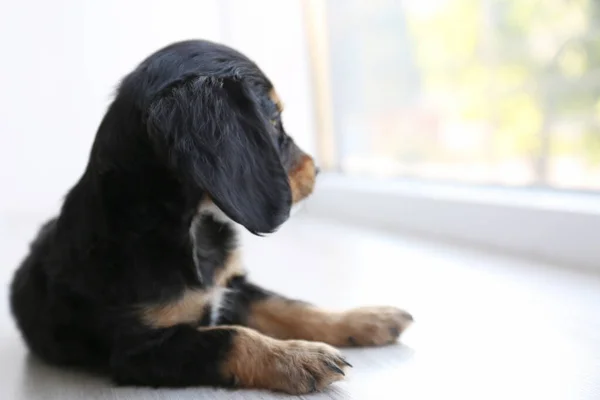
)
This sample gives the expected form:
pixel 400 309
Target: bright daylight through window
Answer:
pixel 477 91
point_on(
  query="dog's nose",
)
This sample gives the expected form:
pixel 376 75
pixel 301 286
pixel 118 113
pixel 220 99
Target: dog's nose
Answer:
pixel 317 170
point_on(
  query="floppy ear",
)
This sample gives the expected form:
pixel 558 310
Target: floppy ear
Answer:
pixel 216 141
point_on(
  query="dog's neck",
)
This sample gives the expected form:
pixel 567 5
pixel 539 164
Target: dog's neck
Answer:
pixel 127 190
pixel 214 236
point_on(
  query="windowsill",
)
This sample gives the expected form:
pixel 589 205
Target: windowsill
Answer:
pixel 557 227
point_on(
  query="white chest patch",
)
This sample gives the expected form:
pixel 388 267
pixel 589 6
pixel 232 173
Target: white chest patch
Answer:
pixel 204 209
pixel 210 208
pixel 219 302
pixel 218 297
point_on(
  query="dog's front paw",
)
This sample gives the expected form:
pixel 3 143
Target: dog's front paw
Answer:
pixel 373 326
pixel 290 366
pixel 304 367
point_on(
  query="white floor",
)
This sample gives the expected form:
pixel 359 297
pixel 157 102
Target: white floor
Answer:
pixel 487 327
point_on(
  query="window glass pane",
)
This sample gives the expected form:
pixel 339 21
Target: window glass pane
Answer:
pixel 479 91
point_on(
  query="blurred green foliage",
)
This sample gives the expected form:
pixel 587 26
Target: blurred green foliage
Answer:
pixel 528 68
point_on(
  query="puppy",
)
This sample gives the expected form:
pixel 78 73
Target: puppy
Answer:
pixel 139 276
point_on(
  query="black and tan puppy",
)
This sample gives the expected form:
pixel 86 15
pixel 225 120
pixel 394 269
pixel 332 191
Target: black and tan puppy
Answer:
pixel 139 275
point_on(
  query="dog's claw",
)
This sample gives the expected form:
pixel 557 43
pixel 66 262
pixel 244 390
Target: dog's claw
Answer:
pixel 346 363
pixel 335 368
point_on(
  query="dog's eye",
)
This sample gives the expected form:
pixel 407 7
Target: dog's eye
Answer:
pixel 274 122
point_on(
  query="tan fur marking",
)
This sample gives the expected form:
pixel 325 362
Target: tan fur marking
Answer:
pixel 188 308
pixel 233 267
pixel 302 179
pixel 275 98
pixel 295 367
pixel 284 319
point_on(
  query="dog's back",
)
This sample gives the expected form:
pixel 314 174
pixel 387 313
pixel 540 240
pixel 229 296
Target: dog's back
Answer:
pixel 50 325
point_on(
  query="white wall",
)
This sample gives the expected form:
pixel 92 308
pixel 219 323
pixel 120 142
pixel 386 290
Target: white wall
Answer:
pixel 62 59
pixel 271 32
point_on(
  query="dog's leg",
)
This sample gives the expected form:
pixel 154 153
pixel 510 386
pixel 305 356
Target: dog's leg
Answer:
pixel 228 356
pixel 283 318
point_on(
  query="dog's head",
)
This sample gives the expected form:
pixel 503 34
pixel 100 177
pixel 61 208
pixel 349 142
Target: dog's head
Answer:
pixel 217 121
pixel 299 166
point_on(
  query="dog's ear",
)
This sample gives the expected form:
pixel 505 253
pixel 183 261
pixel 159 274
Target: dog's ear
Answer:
pixel 212 134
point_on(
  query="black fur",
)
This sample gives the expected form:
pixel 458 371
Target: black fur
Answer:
pixel 193 121
pixel 234 159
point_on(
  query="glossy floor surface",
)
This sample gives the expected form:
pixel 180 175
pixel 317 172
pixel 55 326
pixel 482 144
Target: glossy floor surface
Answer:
pixel 486 326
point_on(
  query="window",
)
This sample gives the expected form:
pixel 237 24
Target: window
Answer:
pixel 500 92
